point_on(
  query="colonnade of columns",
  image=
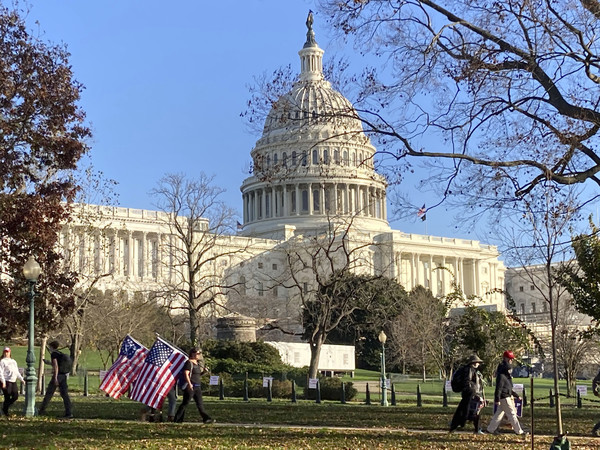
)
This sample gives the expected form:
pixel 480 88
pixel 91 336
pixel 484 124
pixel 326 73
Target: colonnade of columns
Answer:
pixel 314 199
pixel 123 253
pixel 475 277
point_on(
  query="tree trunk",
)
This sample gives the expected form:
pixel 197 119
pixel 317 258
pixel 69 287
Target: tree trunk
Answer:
pixel 41 363
pixel 74 350
pixel 315 353
pixel 193 327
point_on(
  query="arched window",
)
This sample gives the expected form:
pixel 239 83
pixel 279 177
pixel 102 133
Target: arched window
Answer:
pixel 315 157
pixel 304 200
pixel 275 159
pixel 268 161
pixel 294 159
pixel 346 161
pixel 316 203
pixel 304 159
pixel 326 156
pixel 354 159
pixel 336 156
pixel 284 159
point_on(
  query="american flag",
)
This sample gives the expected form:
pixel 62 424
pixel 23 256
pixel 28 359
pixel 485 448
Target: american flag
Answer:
pixel 158 374
pixel 125 369
pixel 422 212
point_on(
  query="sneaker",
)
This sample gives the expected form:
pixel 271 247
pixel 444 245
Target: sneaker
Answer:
pixel 479 432
pixel 207 421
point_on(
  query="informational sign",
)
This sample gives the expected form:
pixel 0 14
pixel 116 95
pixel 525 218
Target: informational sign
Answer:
pixel 448 386
pixel 312 383
pixel 518 388
pixel 266 381
pixel 214 380
pixel 519 406
pixel 388 383
pixel 582 389
pixel 102 374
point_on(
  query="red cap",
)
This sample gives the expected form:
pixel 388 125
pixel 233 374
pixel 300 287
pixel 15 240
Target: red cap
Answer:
pixel 508 354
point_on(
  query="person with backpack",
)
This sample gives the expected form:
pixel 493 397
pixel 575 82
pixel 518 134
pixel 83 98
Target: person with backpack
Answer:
pixel 504 397
pixel 468 381
pixel 61 366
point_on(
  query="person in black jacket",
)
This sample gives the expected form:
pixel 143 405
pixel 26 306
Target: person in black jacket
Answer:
pixel 504 397
pixel 472 390
pixel 59 379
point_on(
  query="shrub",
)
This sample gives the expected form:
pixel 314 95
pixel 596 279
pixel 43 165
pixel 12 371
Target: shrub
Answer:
pixel 331 389
pixel 243 352
pixel 279 389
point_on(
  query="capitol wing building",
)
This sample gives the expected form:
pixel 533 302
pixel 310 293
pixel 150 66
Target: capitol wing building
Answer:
pixel 313 176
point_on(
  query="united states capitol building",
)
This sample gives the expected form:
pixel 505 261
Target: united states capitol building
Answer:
pixel 313 172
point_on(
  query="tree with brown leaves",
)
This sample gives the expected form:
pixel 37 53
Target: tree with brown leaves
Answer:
pixel 42 138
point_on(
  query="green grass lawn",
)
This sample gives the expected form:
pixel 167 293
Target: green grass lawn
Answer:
pixel 106 423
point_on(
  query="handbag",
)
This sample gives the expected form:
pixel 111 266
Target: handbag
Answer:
pixel 476 404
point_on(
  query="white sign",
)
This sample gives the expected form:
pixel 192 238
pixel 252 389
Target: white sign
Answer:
pixel 448 386
pixel 312 383
pixel 103 374
pixel 214 380
pixel 518 388
pixel 266 381
pixel 582 389
pixel 388 383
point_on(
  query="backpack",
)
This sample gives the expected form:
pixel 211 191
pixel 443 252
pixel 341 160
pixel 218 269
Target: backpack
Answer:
pixel 459 379
pixel 65 364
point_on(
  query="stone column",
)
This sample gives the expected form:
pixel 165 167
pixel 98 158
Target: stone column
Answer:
pixel 310 200
pixel 298 200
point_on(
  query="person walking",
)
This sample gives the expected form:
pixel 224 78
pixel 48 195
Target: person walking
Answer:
pixel 504 397
pixel 60 374
pixel 471 393
pixel 9 374
pixel 192 375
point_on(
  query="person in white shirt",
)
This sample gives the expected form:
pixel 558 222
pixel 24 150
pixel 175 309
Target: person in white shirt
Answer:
pixel 9 373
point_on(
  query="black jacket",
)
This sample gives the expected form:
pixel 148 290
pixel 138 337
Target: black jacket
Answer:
pixel 504 384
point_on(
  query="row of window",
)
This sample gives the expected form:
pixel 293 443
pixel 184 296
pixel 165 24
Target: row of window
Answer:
pixel 533 309
pixel 531 288
pixel 263 163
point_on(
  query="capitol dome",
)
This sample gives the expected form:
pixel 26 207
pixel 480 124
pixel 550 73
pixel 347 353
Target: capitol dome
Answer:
pixel 313 163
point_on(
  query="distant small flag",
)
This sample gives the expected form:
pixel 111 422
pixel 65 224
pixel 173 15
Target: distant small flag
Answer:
pixel 422 213
pixel 125 369
pixel 158 374
pixel 240 227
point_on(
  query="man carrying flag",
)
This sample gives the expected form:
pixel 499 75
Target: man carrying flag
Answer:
pixel 158 374
pixel 125 369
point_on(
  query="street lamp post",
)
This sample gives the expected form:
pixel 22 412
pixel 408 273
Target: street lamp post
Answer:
pixel 382 339
pixel 31 271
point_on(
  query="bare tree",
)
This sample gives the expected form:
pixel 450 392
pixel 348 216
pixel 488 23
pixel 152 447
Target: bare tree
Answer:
pixel 504 92
pixel 197 249
pixel 318 268
pixel 539 246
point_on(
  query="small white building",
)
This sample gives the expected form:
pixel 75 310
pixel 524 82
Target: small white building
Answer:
pixel 334 358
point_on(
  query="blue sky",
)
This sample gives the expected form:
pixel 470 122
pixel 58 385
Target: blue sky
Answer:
pixel 166 83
